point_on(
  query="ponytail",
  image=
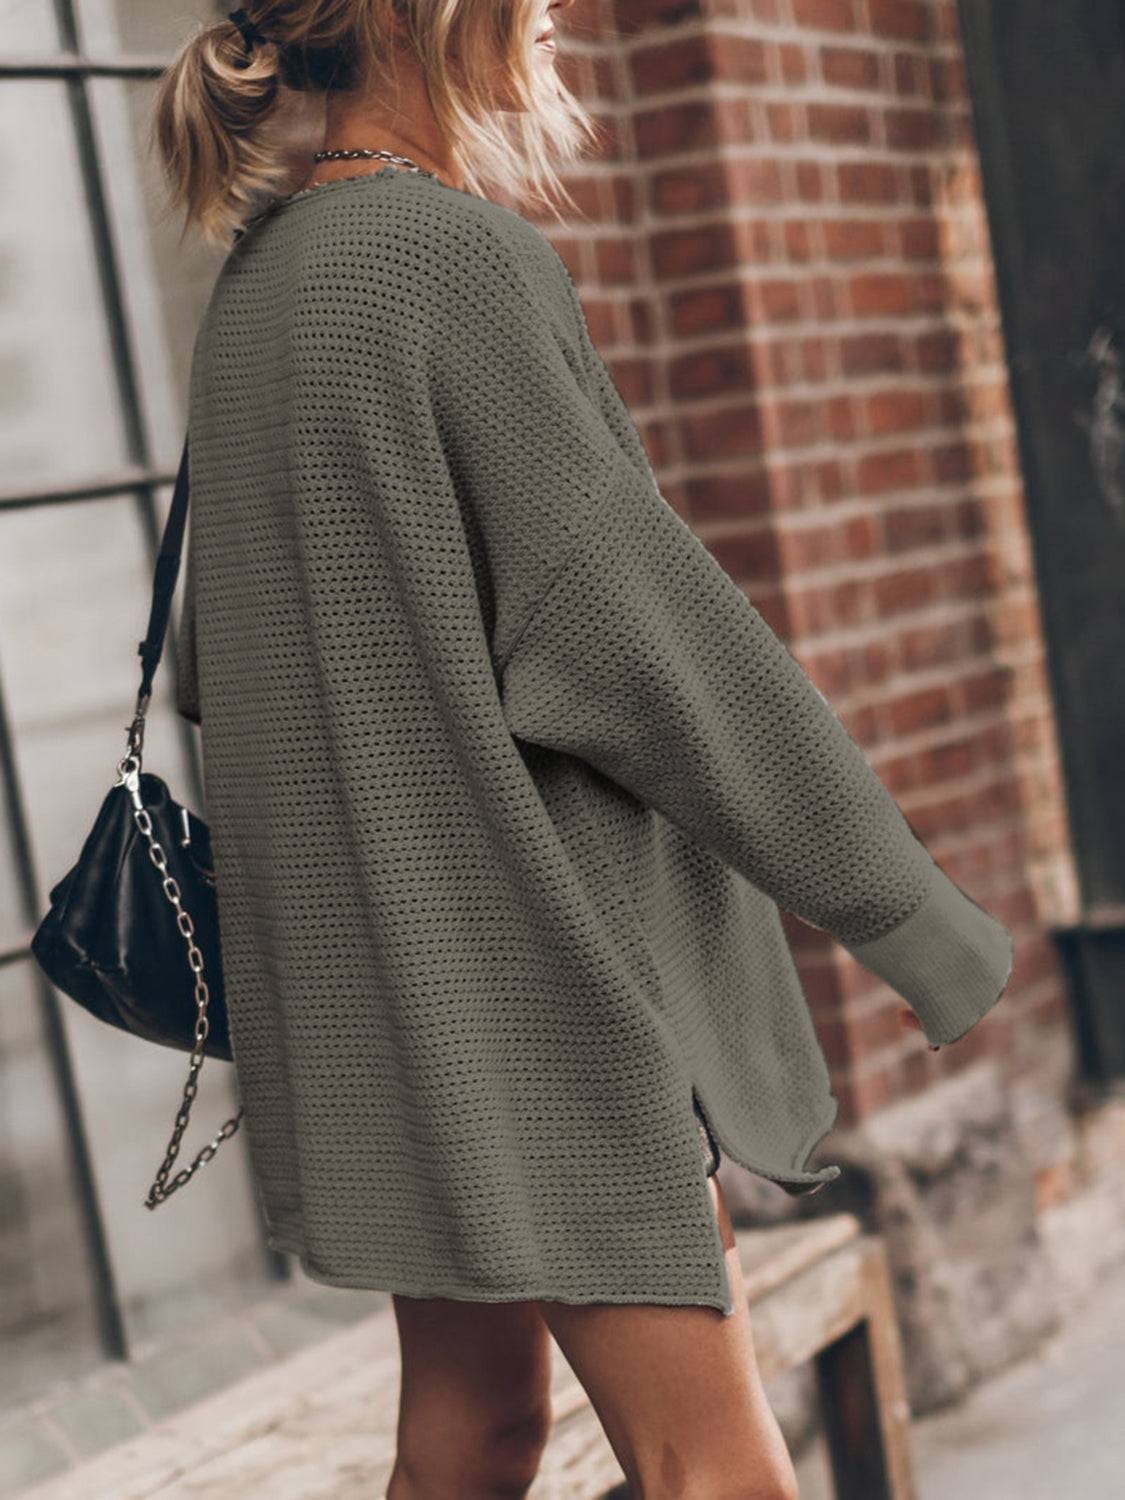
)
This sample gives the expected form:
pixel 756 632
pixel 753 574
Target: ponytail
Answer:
pixel 212 109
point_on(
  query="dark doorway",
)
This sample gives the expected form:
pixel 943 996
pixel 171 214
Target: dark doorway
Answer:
pixel 1048 92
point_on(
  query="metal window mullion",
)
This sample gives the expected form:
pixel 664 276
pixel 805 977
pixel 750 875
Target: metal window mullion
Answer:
pixel 108 1311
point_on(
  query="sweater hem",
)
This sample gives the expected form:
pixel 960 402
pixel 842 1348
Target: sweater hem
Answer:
pixel 394 1285
pixel 797 1180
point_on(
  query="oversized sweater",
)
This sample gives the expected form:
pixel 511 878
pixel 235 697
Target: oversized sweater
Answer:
pixel 506 779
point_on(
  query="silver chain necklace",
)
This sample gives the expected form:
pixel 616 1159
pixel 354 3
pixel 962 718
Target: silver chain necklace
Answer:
pixel 345 153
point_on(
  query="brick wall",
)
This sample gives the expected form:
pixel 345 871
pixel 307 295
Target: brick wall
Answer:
pixel 784 260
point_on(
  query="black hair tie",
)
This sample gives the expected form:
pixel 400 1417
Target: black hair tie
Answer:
pixel 250 33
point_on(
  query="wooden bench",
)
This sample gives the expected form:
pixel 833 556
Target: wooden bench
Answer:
pixel 320 1425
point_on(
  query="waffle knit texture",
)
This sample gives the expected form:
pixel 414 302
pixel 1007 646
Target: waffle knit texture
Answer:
pixel 506 780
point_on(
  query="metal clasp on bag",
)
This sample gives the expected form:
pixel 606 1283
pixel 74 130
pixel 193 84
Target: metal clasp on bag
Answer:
pixel 129 776
pixel 129 766
pixel 136 730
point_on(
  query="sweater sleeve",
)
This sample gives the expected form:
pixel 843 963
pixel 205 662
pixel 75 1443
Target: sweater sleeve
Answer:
pixel 648 661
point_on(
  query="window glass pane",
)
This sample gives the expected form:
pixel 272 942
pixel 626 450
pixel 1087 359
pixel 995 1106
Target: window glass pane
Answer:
pixel 165 280
pixel 75 593
pixel 47 1314
pixel 124 26
pixel 59 409
pixel 28 26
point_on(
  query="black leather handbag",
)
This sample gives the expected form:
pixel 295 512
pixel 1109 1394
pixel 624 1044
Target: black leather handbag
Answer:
pixel 132 933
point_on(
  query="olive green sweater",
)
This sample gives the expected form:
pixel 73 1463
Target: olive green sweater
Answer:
pixel 506 779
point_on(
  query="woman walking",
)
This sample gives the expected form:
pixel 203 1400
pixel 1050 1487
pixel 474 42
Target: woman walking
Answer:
pixel 506 778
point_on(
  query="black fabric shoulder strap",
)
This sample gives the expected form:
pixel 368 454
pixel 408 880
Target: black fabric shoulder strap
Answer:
pixel 164 580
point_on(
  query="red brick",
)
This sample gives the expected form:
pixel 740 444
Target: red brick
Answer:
pixel 672 65
pixel 730 433
pixel 948 26
pixel 709 308
pixel 969 521
pixel 912 73
pixel 638 311
pixel 908 20
pixel 798 243
pixel 914 526
pixel 839 123
pixel 919 239
pixel 839 415
pixel 937 351
pixel 747 554
pixel 717 496
pixel 674 128
pixel 883 294
pixel 921 186
pixel 601 319
pixel 912 129
pixel 872 353
pixel 867 182
pixel 607 77
pixel 850 606
pixel 631 16
pixel 971 577
pixel 739 59
pixel 956 758
pixel 903 591
pixel 860 538
pixel 698 59
pixel 853 239
pixel 701 187
pixel 825 15
pixel 686 252
pixel 878 473
pixel 810 181
pixel 920 710
pixel 624 197
pixel 782 122
pixel 756 179
pixel 776 301
pixel 616 260
pixel 815 354
pixel 810 549
pixel 849 67
pixel 775 362
pixel 897 411
pixel 754 241
pixel 706 372
pixel 795 423
pixel 949 81
pixel 987 690
pixel 826 299
pixel 793 63
pixel 829 478
pixel 633 378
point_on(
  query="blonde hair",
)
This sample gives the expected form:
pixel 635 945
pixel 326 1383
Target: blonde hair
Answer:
pixel 224 119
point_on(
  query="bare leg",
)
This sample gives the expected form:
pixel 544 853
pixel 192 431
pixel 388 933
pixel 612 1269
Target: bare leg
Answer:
pixel 678 1393
pixel 676 1389
pixel 474 1407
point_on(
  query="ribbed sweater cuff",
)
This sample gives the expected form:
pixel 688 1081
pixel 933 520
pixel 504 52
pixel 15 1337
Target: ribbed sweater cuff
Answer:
pixel 950 960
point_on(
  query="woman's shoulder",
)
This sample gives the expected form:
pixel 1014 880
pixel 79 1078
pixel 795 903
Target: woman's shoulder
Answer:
pixel 411 254
pixel 432 239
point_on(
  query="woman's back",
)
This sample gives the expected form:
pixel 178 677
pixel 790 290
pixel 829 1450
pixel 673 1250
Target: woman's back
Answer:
pixel 506 778
pixel 436 1010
